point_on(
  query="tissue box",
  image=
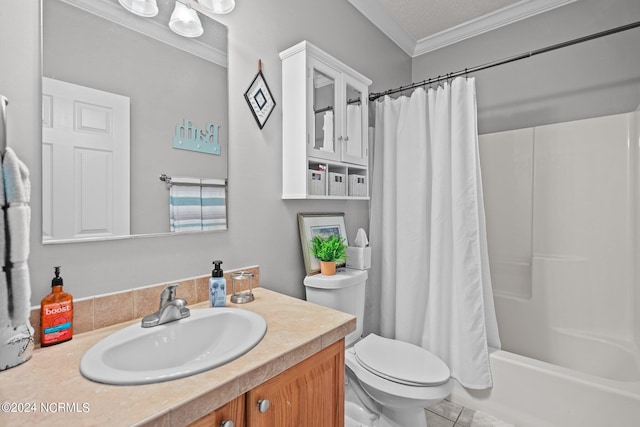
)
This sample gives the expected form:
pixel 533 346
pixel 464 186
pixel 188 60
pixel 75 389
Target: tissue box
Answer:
pixel 359 258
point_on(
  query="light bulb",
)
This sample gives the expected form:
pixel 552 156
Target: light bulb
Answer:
pixel 146 8
pixel 185 22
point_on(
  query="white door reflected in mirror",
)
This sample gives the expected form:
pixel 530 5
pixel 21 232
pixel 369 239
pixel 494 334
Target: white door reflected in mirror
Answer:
pixel 85 162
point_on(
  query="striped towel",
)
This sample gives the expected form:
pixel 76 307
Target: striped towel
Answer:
pixel 185 205
pixel 214 205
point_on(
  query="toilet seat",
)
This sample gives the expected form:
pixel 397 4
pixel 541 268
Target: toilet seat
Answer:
pixel 400 362
pixel 366 377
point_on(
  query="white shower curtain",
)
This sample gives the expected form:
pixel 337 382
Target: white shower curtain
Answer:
pixel 427 231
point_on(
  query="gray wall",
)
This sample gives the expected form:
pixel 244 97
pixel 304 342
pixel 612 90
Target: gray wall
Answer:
pixel 595 78
pixel 263 228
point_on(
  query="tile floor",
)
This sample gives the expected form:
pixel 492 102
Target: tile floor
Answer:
pixel 450 414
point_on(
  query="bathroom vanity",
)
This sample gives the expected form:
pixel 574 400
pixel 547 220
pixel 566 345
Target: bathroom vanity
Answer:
pixel 311 394
pixel 298 367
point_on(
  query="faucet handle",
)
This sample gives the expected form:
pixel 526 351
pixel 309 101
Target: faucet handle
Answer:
pixel 168 294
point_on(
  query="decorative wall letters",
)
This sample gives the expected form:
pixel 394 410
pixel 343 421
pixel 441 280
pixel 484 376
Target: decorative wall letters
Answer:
pixel 189 137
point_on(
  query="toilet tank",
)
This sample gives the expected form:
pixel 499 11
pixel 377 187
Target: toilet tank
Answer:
pixel 344 291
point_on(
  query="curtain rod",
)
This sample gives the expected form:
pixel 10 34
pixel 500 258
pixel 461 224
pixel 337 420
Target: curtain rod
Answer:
pixel 466 71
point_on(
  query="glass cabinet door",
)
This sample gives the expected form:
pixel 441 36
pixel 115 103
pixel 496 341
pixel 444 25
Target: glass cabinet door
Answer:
pixel 355 123
pixel 326 123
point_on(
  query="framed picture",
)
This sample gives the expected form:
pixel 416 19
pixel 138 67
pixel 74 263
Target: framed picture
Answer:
pixel 319 224
pixel 259 98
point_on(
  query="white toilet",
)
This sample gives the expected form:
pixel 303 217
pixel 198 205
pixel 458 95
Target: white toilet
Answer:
pixel 388 382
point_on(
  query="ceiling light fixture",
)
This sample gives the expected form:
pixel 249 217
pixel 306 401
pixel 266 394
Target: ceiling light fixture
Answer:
pixel 146 8
pixel 218 6
pixel 184 19
pixel 185 22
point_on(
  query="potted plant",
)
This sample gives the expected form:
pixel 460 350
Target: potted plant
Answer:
pixel 329 251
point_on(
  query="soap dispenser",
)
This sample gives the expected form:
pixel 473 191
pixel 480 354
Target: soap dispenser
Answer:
pixel 56 314
pixel 217 286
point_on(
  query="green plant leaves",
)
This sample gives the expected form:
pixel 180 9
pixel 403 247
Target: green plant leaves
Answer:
pixel 330 249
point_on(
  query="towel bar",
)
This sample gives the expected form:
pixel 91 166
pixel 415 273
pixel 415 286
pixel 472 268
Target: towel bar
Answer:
pixel 193 181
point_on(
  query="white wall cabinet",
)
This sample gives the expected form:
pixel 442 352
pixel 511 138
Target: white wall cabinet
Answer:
pixel 325 126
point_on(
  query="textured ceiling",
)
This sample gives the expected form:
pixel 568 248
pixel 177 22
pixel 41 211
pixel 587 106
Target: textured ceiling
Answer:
pixel 423 18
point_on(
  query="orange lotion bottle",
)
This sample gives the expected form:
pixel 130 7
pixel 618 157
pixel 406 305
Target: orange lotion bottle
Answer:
pixel 56 314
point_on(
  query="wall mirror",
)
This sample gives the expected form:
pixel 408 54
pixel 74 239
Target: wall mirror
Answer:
pixel 128 76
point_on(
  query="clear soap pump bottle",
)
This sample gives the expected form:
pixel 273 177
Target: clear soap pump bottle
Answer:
pixel 217 286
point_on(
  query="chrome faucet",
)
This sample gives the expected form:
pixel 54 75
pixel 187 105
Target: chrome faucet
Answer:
pixel 171 308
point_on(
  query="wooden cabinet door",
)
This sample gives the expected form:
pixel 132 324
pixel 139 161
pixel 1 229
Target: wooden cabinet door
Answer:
pixel 232 411
pixel 310 394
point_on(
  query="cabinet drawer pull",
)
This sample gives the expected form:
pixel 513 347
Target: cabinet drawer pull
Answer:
pixel 263 405
pixel 226 423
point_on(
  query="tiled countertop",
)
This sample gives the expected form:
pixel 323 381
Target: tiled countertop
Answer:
pixel 49 389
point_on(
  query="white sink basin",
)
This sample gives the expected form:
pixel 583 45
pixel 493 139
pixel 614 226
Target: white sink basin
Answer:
pixel 208 338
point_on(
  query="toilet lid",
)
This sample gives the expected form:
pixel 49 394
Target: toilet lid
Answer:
pixel 400 362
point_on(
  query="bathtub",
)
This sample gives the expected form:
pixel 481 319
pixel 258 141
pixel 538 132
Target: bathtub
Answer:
pixel 530 393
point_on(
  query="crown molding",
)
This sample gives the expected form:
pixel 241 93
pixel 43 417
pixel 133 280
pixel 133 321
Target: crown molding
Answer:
pixel 500 18
pixel 113 12
pixel 377 14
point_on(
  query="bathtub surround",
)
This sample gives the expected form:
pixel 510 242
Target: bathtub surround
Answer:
pixel 565 287
pixel 562 218
pixel 430 260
